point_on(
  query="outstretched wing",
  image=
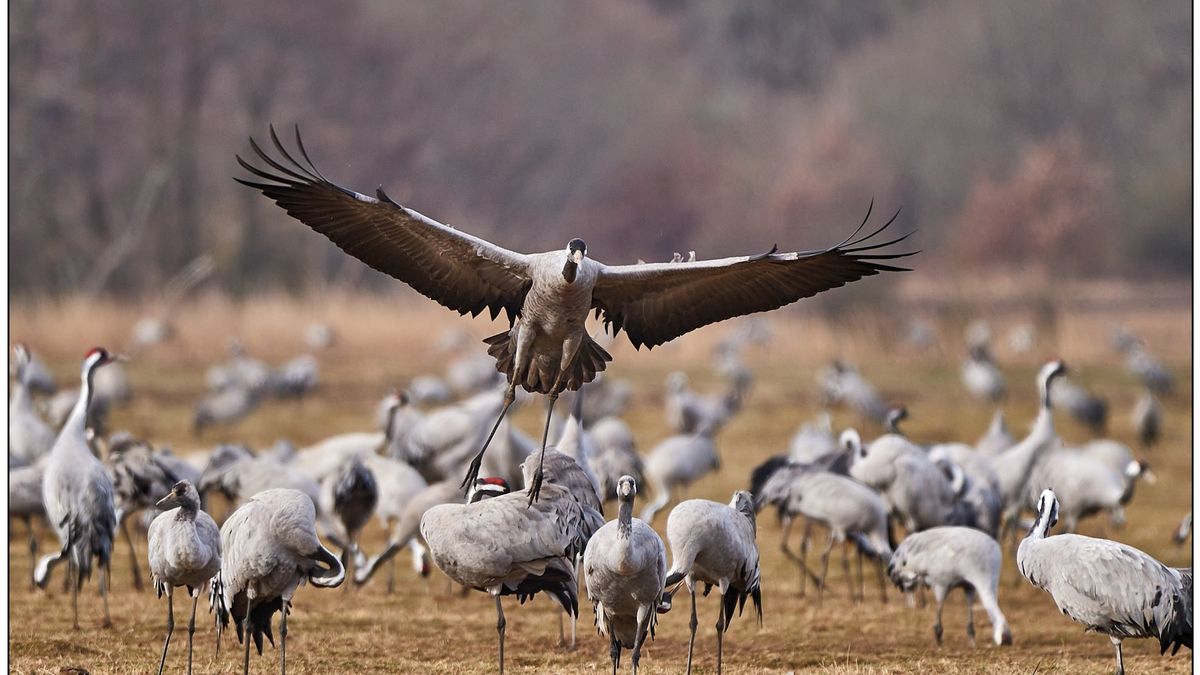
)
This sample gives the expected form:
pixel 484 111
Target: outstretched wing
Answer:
pixel 459 271
pixel 658 302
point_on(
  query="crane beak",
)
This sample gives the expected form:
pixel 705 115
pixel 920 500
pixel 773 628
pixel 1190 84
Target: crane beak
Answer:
pixel 165 503
pixel 120 358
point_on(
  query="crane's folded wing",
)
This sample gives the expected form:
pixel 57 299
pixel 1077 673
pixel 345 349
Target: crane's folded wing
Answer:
pixel 457 270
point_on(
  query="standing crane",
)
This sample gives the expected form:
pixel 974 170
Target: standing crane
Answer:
pixel 713 544
pixel 624 567
pixel 269 548
pixel 1107 586
pixel 185 550
pixel 506 545
pixel 78 496
pixel 29 437
pixel 548 296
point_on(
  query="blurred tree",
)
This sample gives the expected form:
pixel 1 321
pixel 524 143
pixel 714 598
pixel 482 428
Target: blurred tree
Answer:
pixel 1050 212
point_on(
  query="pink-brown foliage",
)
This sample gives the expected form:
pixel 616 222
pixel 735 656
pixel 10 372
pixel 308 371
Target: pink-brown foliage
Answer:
pixel 1051 211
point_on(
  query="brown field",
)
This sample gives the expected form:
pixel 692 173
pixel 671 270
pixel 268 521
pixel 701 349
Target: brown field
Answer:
pixel 422 628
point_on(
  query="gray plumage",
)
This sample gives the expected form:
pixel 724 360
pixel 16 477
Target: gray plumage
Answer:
pixel 851 511
pixel 974 482
pixel 1119 458
pixel 1013 466
pixel 1141 363
pixel 241 371
pixel 319 336
pixel 472 373
pixel 625 567
pixel 690 413
pixel 615 455
pixel 140 478
pixel 508 546
pixel 1086 486
pixel 1107 586
pixel 813 440
pixel 29 437
pixel 677 462
pixel 945 558
pixel 225 407
pixel 296 378
pixel 1183 529
pixel 352 494
pixel 981 377
pixel 239 475
pixel 78 496
pixel 714 544
pixel 573 474
pixel 428 390
pixel 184 550
pixel 443 441
pixel 1146 419
pixel 912 485
pixel 841 383
pixel 38 377
pixel 997 438
pixel 269 548
pixel 1088 408
pixel 406 529
pixel 25 502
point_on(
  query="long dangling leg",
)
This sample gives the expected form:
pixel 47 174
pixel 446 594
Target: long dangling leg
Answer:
pixel 33 546
pixel 283 637
pixel 246 636
pixel 720 631
pixel 133 554
pixel 105 577
pixel 75 578
pixel 645 616
pixel 824 568
pixel 535 486
pixel 170 627
pixel 1120 659
pixel 805 540
pixel 939 594
pixel 510 395
pixel 882 583
pixel 846 570
pixel 500 623
pixel 692 624
pixel 862 585
pixel 614 650
pixel 192 628
pixel 970 595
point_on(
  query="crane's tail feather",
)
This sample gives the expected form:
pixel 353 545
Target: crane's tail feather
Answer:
pixel 1177 631
pixel 589 360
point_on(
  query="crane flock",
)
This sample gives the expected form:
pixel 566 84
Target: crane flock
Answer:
pixel 951 500
pixel 528 518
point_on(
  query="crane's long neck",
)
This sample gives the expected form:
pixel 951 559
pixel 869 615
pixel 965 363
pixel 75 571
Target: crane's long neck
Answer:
pixel 625 516
pixel 1041 526
pixel 76 423
pixel 1043 425
pixel 389 428
pixel 21 400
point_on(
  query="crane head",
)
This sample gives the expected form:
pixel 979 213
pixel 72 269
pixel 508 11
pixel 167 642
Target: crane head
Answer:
pixel 626 488
pixel 485 488
pixel 576 251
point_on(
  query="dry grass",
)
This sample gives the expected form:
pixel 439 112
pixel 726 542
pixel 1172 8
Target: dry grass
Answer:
pixel 422 628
